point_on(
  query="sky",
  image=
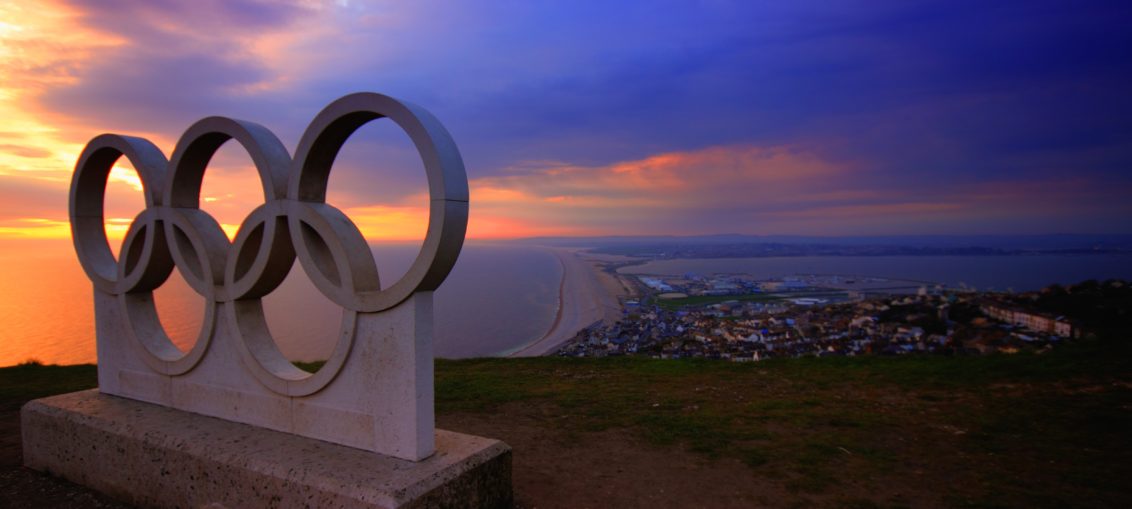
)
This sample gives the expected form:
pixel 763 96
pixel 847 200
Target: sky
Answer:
pixel 839 117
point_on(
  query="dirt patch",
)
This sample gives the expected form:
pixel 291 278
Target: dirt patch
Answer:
pixel 556 466
pixel 11 452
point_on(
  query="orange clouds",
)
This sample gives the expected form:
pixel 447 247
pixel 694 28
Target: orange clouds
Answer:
pixel 42 45
pixel 51 45
pixel 673 177
pixel 662 193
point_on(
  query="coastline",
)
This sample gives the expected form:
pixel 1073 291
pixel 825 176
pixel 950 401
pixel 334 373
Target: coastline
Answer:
pixel 583 300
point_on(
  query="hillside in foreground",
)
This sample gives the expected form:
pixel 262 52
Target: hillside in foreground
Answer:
pixel 1025 430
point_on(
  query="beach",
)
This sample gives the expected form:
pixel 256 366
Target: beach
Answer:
pixel 586 296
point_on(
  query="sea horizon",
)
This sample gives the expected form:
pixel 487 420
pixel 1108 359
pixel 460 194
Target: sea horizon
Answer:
pixel 501 297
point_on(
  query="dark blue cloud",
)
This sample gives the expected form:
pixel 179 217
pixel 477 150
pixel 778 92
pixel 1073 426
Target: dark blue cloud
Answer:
pixel 936 86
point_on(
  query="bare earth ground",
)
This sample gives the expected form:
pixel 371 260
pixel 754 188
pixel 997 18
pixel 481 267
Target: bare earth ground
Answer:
pixel 23 488
pixel 554 468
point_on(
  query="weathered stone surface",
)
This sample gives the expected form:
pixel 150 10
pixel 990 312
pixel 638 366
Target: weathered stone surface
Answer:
pixel 375 391
pixel 152 455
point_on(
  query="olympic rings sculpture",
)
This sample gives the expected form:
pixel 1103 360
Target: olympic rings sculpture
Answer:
pixel 293 222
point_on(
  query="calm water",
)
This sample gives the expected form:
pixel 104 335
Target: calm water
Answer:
pixel 1020 273
pixel 497 298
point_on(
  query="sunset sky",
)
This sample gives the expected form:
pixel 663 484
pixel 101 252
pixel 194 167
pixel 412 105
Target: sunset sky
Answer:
pixel 599 118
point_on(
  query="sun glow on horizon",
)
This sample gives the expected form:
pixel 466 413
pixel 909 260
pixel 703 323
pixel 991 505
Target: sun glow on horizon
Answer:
pixel 45 48
pixel 790 192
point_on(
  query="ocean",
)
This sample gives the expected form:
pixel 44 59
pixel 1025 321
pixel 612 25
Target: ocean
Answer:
pixel 497 298
pixel 986 273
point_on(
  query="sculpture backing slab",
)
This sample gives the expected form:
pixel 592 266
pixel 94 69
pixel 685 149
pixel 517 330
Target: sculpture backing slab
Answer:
pixel 189 460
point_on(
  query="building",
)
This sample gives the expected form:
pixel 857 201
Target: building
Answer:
pixel 1033 321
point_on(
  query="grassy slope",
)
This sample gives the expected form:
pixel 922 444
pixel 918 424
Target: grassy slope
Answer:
pixel 1026 430
pixel 18 384
pixel 1047 430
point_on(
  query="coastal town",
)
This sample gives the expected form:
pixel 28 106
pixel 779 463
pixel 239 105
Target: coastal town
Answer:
pixel 738 318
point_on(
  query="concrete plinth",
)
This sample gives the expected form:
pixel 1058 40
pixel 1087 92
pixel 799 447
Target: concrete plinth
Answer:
pixel 151 455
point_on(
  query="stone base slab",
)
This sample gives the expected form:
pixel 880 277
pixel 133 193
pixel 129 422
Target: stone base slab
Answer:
pixel 150 455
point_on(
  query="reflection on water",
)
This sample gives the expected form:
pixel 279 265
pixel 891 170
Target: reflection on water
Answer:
pixel 497 297
pixel 181 311
pixel 303 322
pixel 45 309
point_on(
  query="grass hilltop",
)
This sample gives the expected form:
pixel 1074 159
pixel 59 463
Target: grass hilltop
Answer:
pixel 1025 430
